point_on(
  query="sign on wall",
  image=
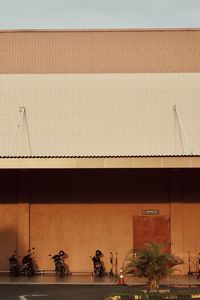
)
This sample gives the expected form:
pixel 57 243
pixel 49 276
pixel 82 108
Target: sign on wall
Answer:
pixel 150 212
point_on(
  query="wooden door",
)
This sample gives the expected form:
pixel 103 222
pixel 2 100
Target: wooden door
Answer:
pixel 151 229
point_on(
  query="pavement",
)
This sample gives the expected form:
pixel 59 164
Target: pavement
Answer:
pixel 81 287
pixel 60 292
pixel 88 279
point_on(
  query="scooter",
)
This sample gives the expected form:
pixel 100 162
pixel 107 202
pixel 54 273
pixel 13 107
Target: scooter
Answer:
pixel 27 264
pixel 59 263
pixel 14 265
pixel 99 269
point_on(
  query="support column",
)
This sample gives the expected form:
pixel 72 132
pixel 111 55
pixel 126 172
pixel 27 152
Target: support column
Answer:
pixel 177 232
pixel 23 209
pixel 176 207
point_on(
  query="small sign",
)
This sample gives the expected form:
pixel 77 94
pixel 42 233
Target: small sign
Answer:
pixel 150 212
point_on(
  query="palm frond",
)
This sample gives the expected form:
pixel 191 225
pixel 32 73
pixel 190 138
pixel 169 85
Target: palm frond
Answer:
pixel 150 262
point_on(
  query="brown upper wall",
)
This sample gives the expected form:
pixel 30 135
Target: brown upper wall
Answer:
pixel 100 51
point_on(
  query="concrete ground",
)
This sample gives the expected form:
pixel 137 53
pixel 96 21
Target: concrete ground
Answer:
pixel 59 292
pixel 76 287
pixel 91 280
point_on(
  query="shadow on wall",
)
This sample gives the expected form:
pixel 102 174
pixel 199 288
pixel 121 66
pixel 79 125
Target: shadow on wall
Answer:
pixel 66 265
pixel 8 244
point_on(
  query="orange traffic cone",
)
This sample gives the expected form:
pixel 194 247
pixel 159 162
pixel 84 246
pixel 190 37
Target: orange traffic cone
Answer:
pixel 121 278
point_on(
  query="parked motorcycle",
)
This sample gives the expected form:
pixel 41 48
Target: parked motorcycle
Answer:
pixel 14 265
pixel 99 269
pixel 59 263
pixel 27 264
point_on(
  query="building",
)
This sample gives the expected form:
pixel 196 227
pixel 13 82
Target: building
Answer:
pixel 100 145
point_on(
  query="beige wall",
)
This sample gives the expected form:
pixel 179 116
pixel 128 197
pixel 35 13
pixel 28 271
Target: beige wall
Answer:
pixel 99 114
pixel 99 92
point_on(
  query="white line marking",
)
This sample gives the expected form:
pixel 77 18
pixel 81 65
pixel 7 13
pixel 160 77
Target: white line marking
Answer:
pixel 23 297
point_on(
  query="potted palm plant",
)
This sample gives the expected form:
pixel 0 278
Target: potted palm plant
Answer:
pixel 151 263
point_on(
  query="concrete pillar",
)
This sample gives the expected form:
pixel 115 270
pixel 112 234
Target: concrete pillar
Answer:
pixel 23 212
pixel 176 207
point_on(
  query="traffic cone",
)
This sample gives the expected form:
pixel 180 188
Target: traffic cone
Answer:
pixel 121 278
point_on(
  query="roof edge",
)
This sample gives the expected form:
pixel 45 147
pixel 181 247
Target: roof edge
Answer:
pixel 96 156
pixel 111 162
pixel 100 30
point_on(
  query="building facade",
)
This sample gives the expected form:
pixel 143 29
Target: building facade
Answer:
pixel 99 142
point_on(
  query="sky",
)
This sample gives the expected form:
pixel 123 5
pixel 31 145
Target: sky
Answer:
pixel 99 14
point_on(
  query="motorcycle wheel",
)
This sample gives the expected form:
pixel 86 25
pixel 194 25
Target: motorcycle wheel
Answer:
pixel 99 272
pixel 62 271
pixel 14 272
pixel 58 267
pixel 96 273
pixel 30 272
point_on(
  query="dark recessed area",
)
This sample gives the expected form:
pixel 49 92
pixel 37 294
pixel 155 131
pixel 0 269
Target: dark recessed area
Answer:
pixel 100 185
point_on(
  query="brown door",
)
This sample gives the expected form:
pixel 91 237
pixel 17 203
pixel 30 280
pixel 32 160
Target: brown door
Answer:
pixel 151 229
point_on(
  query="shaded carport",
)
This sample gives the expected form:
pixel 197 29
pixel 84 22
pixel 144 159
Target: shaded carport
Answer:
pixel 84 203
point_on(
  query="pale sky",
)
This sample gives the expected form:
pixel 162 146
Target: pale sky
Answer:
pixel 69 14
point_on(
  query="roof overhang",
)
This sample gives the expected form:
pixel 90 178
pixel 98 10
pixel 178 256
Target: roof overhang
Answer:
pixel 99 162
